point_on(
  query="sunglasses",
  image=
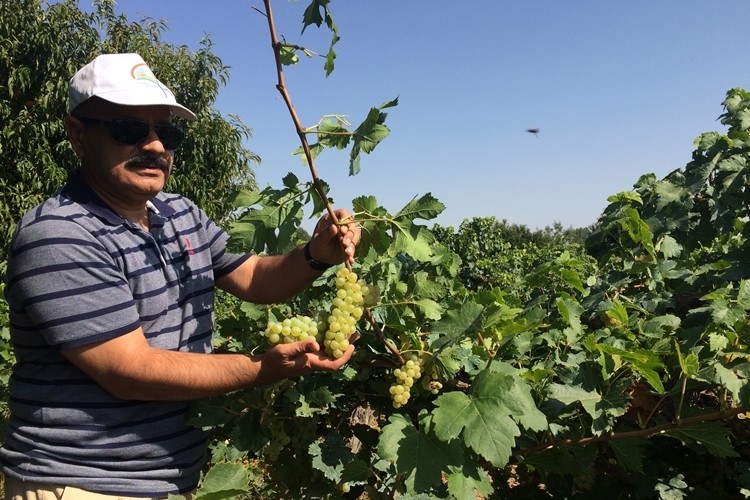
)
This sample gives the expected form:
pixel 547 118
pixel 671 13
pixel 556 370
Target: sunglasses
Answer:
pixel 134 132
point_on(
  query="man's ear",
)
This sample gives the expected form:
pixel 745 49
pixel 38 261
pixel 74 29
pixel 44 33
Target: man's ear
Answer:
pixel 76 134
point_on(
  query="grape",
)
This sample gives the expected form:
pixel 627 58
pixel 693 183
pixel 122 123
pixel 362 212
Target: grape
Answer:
pixel 347 307
pixel 371 294
pixel 405 376
pixel 346 311
pixel 291 330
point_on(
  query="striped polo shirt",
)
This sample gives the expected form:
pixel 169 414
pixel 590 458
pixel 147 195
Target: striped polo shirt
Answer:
pixel 79 273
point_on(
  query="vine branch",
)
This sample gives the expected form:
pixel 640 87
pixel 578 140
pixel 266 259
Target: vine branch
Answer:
pixel 302 133
pixel 720 415
pixel 281 87
pixel 379 333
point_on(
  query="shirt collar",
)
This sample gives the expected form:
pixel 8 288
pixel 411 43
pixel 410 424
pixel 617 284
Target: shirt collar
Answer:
pixel 78 191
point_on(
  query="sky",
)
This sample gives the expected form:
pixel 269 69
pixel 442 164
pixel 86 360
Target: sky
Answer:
pixel 616 89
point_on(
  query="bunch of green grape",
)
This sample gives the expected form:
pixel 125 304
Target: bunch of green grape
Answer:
pixel 431 382
pixel 292 330
pixel 405 377
pixel 352 296
pixel 278 439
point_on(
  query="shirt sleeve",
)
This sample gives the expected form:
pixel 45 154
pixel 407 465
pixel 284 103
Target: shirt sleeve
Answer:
pixel 63 283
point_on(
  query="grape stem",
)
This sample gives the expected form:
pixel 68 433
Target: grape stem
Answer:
pixel 379 333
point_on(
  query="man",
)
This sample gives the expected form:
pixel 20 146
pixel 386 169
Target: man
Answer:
pixel 111 289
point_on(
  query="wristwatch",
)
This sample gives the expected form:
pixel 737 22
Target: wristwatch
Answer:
pixel 315 264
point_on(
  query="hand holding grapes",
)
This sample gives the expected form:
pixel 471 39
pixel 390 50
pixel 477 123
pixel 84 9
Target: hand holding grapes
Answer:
pixel 297 358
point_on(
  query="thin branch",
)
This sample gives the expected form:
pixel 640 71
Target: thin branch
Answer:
pixel 281 87
pixel 302 133
pixel 659 429
pixel 379 333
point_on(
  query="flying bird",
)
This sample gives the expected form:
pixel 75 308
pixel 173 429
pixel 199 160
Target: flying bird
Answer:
pixel 534 131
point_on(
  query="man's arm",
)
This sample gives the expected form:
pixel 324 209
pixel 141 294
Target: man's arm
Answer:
pixel 129 368
pixel 276 278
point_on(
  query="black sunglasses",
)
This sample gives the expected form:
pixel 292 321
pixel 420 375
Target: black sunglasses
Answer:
pixel 133 132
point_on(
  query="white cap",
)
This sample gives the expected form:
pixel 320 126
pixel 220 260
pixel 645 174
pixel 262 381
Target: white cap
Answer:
pixel 122 79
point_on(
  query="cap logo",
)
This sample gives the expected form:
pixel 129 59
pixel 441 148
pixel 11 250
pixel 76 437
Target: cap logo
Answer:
pixel 142 73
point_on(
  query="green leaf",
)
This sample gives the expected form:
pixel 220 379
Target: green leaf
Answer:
pixel 458 323
pixel 603 409
pixel 729 379
pixel 332 134
pixel 330 455
pixel 629 453
pixel 669 247
pixel 571 311
pixel 416 242
pixel 714 436
pixel 469 481
pixel 725 313
pixel 288 55
pixel 224 480
pixel 369 134
pixel 426 207
pixel 626 196
pixel 431 309
pixel 638 230
pixel 743 294
pixel 485 418
pixel 667 192
pixel 312 14
pixel 421 458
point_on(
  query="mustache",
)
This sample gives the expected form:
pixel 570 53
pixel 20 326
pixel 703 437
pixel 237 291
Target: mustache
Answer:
pixel 146 160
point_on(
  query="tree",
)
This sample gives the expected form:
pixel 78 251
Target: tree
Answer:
pixel 42 47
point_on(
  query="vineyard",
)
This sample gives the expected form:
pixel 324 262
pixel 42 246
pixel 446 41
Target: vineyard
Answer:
pixel 492 368
pixel 621 369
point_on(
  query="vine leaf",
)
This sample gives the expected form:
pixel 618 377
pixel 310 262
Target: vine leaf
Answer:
pixel 486 417
pixel 416 242
pixel 426 207
pixel 602 408
pixel 268 220
pixel 456 323
pixel 469 481
pixel 224 480
pixel 311 16
pixel 418 456
pixel 714 436
pixel 369 134
pixel 629 453
pixel 331 455
pixel 431 309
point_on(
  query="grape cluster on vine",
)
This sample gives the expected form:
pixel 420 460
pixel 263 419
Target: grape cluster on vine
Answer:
pixel 352 296
pixel 291 330
pixel 405 377
pixel 346 309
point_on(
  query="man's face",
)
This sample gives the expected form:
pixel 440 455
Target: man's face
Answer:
pixel 125 173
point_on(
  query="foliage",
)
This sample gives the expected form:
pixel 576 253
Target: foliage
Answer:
pixel 623 373
pixel 502 255
pixel 44 45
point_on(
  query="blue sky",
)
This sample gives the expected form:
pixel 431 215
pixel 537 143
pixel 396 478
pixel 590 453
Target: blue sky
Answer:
pixel 617 89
